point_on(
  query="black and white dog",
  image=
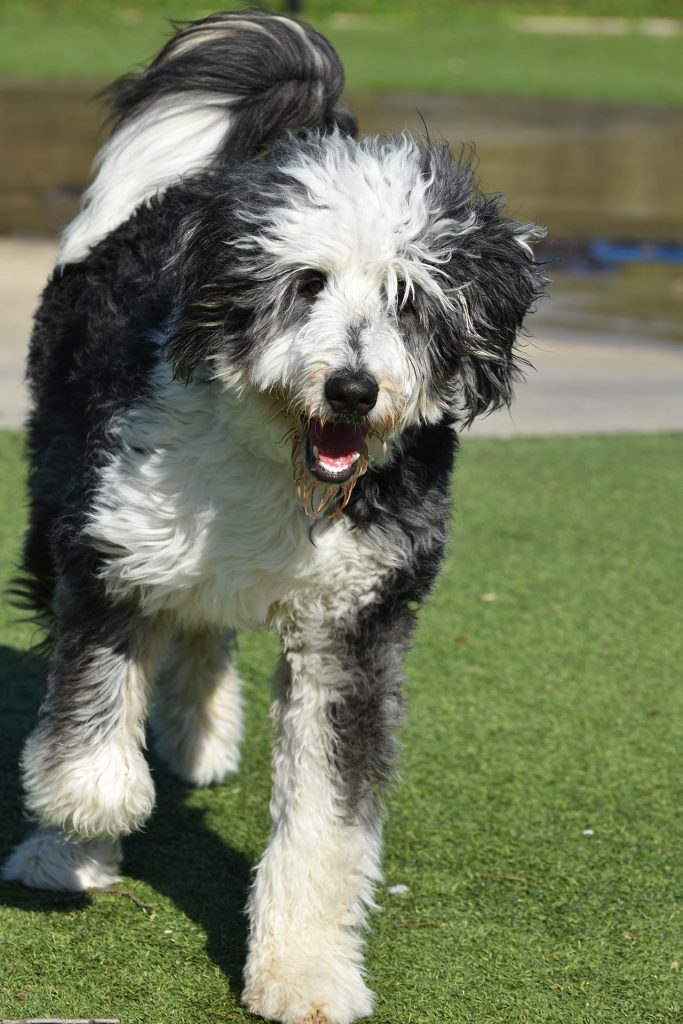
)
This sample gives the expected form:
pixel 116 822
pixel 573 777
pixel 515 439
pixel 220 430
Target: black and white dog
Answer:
pixel 246 371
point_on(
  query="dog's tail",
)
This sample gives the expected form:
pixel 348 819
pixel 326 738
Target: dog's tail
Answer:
pixel 222 89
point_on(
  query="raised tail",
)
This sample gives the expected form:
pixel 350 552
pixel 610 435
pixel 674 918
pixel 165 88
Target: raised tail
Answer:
pixel 221 89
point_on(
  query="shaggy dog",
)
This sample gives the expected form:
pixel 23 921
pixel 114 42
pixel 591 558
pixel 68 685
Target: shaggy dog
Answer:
pixel 246 373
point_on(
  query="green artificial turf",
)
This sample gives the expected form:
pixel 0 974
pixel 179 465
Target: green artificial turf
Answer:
pixel 537 821
pixel 468 48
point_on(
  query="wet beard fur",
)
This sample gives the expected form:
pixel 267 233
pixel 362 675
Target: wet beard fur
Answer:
pixel 319 498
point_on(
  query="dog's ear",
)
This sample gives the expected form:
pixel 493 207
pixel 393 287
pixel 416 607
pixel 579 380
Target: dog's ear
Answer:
pixel 493 281
pixel 504 284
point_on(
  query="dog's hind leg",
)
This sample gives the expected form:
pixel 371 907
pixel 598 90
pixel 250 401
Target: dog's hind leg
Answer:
pixel 86 779
pixel 335 717
pixel 197 717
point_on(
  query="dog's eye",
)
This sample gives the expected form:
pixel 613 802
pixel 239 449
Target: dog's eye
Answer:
pixel 311 285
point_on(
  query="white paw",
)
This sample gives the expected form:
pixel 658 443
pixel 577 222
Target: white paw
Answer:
pixel 100 794
pixel 201 742
pixel 301 989
pixel 212 761
pixel 199 756
pixel 47 860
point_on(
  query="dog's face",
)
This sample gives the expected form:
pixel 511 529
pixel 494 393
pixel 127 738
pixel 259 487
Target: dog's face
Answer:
pixel 368 286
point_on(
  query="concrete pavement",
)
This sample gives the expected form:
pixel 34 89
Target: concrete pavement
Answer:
pixel 24 268
pixel 581 383
pixel 593 384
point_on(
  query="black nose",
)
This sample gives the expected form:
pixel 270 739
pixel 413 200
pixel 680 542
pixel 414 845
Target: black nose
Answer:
pixel 352 393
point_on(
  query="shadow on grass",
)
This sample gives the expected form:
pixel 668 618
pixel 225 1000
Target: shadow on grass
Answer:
pixel 178 855
pixel 22 675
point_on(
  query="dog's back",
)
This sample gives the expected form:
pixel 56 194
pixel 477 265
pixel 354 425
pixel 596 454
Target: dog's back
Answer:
pixel 219 91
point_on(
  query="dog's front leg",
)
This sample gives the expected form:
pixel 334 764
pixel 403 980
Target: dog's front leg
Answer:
pixel 86 779
pixel 335 717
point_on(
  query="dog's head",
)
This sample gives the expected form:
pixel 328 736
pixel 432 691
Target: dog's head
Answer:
pixel 368 286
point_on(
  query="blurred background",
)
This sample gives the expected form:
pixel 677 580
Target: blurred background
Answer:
pixel 575 112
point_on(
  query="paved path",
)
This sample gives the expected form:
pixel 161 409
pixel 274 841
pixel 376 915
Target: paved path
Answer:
pixel 581 384
pixel 594 385
pixel 24 267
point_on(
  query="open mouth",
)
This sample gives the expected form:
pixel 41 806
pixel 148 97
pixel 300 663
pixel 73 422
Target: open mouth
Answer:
pixel 333 450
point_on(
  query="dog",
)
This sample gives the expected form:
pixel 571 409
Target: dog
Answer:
pixel 247 374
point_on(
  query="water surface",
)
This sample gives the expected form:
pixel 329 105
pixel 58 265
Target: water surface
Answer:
pixel 604 178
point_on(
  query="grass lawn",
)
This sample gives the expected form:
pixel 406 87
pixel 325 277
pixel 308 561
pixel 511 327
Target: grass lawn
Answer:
pixel 545 701
pixel 468 48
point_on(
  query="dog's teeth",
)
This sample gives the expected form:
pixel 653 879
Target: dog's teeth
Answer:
pixel 356 456
pixel 315 452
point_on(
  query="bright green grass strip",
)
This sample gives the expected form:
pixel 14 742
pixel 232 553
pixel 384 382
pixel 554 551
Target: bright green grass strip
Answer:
pixel 554 708
pixel 488 58
pixel 430 48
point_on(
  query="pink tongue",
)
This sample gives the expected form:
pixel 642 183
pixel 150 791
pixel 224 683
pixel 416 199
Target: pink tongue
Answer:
pixel 337 442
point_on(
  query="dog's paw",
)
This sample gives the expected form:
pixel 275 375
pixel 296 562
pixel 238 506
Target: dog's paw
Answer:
pixel 310 991
pixel 101 794
pixel 47 860
pixel 200 742
pixel 200 757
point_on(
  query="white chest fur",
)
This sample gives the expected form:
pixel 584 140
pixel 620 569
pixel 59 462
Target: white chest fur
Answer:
pixel 198 515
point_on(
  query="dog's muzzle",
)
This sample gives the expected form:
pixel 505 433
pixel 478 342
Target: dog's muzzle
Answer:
pixel 334 448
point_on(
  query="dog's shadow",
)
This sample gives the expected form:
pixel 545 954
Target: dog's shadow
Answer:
pixel 205 878
pixel 178 854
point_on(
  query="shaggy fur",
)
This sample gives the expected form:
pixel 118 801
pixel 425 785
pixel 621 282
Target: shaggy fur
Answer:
pixel 246 373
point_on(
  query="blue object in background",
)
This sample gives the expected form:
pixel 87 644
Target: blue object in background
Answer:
pixel 612 253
